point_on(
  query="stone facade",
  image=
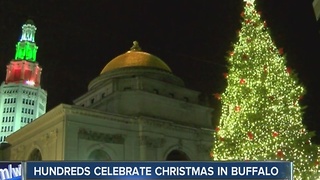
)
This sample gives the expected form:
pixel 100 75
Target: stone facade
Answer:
pixel 69 132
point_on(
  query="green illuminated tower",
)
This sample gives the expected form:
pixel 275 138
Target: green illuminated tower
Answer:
pixel 27 48
pixel 261 116
pixel 21 97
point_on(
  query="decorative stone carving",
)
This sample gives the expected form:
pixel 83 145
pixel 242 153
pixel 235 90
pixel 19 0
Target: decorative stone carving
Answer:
pixel 21 148
pixel 152 142
pixel 100 137
pixel 54 134
pixel 18 153
pixel 48 138
pixel 45 137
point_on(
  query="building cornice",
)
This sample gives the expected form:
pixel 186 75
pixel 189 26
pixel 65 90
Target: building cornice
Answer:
pixel 48 120
pixel 145 120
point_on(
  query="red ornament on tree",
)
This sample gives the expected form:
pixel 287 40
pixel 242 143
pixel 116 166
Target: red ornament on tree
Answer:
pixel 308 142
pixel 248 21
pixel 265 24
pixel 250 135
pixel 275 134
pixel 281 51
pixel 245 57
pixel 242 14
pixel 225 75
pixel 217 129
pixel 265 68
pixel 242 81
pixel 211 154
pixel 300 97
pixel 231 53
pixel 289 70
pixel 217 96
pixel 280 154
pixel 237 108
pixel 259 12
pixel 316 163
pixel 271 98
pixel 221 138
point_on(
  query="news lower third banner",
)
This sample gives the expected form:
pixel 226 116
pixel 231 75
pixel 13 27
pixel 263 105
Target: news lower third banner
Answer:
pixel 42 170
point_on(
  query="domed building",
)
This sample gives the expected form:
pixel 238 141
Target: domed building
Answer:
pixel 136 109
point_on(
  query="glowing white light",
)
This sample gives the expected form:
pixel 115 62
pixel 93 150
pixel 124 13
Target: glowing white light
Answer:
pixel 249 1
pixel 31 83
pixel 28 32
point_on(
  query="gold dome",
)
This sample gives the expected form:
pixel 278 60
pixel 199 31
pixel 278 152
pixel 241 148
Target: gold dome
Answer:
pixel 135 58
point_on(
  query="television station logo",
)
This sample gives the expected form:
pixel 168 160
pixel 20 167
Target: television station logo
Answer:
pixel 10 171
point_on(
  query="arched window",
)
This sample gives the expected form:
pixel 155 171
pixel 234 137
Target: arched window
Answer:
pixel 35 155
pixel 177 155
pixel 99 155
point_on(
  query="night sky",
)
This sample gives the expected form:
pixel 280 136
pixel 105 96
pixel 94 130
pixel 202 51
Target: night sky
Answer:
pixel 77 38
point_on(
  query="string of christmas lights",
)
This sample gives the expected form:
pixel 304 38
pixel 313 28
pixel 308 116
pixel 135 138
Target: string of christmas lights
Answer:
pixel 261 116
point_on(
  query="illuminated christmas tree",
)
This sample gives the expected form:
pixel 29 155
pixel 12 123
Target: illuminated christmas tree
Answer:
pixel 261 117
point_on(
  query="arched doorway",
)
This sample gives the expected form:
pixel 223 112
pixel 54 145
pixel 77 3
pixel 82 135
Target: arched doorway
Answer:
pixel 99 155
pixel 35 155
pixel 177 155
